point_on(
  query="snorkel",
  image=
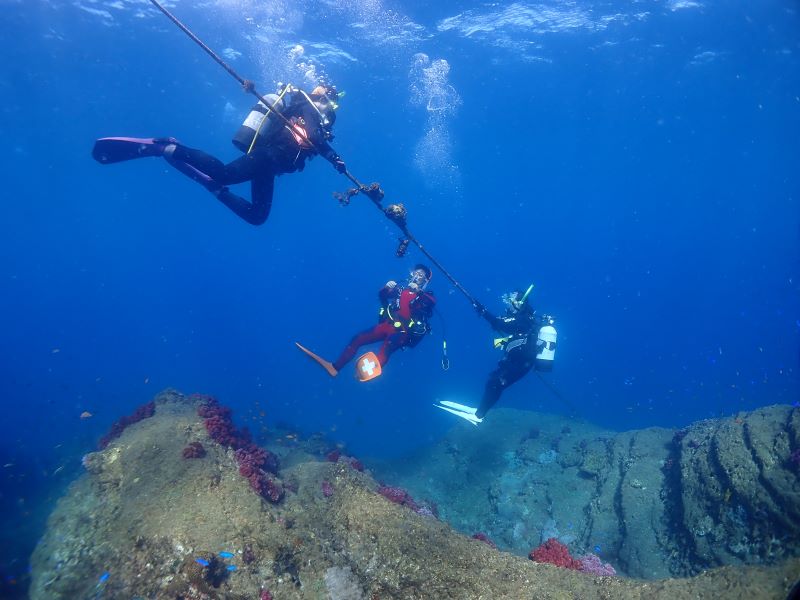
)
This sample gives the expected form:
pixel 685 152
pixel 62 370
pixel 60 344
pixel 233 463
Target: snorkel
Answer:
pixel 526 294
pixel 514 302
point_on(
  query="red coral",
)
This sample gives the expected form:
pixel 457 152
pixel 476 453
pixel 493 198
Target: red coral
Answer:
pixel 337 456
pixel 327 489
pixel 403 498
pixel 555 553
pixel 265 595
pixel 194 450
pixel 398 496
pixel 143 412
pixel 485 539
pixel 255 464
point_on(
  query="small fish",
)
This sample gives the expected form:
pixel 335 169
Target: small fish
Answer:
pixel 86 415
pixel 147 380
pixel 231 568
pixel 226 554
pixel 597 549
pixel 7 465
pixel 56 350
pixel 201 561
pixel 58 470
pixel 104 576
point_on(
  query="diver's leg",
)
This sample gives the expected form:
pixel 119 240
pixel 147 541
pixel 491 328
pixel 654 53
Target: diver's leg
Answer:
pixel 491 393
pixel 257 211
pixel 375 334
pixel 254 167
pixel 392 343
pixel 508 372
pixel 242 169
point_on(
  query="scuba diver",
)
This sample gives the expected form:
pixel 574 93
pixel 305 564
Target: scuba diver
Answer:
pixel 530 342
pixel 271 146
pixel 402 323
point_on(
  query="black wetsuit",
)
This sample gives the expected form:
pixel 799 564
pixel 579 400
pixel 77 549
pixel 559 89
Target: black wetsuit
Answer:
pixel 519 354
pixel 271 155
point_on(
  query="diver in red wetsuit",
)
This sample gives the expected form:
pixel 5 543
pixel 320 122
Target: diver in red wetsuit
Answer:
pixel 403 322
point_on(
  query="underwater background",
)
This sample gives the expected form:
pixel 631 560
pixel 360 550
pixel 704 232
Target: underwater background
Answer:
pixel 637 161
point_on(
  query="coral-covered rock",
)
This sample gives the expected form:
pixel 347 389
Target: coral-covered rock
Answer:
pixel 255 464
pixel 327 489
pixel 398 496
pixel 337 456
pixel 592 564
pixel 143 412
pixel 355 463
pixel 403 498
pixel 482 537
pixel 555 553
pixel 194 450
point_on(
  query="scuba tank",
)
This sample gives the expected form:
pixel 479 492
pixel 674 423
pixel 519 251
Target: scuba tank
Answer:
pixel 546 345
pixel 258 124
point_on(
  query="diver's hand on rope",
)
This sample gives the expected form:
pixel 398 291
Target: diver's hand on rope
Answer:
pixel 339 165
pixel 248 86
pixel 479 308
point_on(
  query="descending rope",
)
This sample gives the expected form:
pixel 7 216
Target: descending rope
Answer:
pixel 574 412
pixel 395 212
pixel 248 85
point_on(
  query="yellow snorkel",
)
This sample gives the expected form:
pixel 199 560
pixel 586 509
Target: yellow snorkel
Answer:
pixel 526 294
pixel 518 304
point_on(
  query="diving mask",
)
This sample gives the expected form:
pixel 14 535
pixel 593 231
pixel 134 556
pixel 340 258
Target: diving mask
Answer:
pixel 418 279
pixel 514 301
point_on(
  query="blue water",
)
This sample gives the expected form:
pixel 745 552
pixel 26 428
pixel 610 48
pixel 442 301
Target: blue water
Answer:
pixel 636 161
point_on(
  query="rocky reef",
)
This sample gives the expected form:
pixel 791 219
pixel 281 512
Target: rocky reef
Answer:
pixel 151 519
pixel 654 502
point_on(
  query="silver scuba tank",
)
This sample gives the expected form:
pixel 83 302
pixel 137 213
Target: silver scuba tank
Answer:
pixel 254 123
pixel 546 345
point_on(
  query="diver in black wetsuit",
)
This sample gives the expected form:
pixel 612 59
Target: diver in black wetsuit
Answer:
pixel 520 349
pixel 271 148
pixel 530 342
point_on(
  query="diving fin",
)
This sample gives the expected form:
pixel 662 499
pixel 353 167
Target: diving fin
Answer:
pixel 320 361
pixel 118 149
pixel 460 410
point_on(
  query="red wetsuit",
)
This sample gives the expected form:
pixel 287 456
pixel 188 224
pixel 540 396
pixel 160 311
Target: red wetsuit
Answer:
pixel 398 307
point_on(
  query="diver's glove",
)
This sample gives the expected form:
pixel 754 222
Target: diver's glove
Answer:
pixel 339 165
pixel 479 308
